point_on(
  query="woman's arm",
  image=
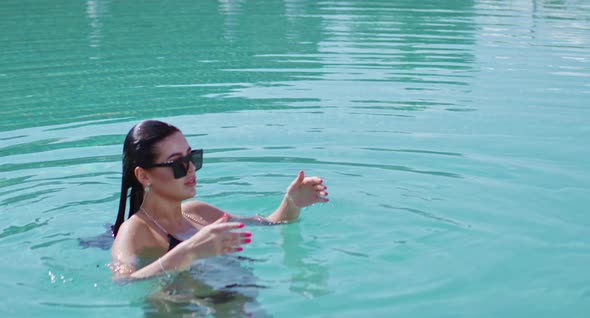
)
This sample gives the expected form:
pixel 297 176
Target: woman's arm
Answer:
pixel 214 239
pixel 203 213
pixel 302 192
pixel 131 239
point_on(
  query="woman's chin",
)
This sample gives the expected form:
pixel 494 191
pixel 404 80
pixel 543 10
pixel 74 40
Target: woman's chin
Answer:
pixel 191 192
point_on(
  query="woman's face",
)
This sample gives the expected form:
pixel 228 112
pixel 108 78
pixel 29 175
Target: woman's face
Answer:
pixel 162 178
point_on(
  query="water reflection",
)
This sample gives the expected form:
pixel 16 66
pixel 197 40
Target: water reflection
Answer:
pixel 152 59
pixel 219 287
pixel 95 10
pixel 310 275
pixel 354 55
pixel 230 9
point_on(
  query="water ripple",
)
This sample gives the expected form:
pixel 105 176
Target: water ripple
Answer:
pixel 14 230
pixel 310 161
pixel 58 163
pixel 426 215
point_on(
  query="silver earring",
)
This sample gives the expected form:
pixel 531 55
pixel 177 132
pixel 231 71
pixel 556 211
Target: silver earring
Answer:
pixel 147 188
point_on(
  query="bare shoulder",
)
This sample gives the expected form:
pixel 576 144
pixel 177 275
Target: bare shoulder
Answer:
pixel 200 209
pixel 133 236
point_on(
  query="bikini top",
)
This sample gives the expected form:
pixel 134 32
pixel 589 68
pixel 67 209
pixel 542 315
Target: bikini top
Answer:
pixel 172 242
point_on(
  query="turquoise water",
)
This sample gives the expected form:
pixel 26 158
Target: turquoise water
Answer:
pixel 453 136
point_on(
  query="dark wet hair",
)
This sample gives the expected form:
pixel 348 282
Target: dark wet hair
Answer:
pixel 138 151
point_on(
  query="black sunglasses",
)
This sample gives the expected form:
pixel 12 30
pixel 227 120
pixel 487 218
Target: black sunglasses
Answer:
pixel 180 166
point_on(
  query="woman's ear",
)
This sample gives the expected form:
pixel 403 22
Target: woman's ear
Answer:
pixel 141 175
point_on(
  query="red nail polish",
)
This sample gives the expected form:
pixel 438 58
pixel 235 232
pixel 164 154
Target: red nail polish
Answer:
pixel 241 225
pixel 247 234
pixel 239 249
pixel 246 241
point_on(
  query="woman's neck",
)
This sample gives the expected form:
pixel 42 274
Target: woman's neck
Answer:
pixel 167 213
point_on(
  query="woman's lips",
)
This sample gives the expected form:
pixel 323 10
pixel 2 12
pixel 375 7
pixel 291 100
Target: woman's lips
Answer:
pixel 191 182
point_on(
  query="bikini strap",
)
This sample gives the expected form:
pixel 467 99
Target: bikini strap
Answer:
pixel 154 221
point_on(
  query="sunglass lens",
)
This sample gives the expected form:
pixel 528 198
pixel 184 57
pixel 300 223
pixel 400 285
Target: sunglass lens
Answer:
pixel 197 159
pixel 180 167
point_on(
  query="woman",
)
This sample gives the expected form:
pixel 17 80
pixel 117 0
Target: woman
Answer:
pixel 164 235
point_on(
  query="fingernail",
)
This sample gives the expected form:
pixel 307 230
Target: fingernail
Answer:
pixel 241 225
pixel 247 234
pixel 239 249
pixel 246 241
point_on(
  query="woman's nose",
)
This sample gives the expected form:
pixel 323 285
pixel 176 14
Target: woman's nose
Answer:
pixel 191 167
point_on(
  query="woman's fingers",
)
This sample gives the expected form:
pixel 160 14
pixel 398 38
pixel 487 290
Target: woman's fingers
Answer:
pixel 231 249
pixel 322 196
pixel 299 179
pixel 220 227
pixel 236 249
pixel 237 237
pixel 313 180
pixel 222 219
pixel 232 241
pixel 320 187
pixel 220 238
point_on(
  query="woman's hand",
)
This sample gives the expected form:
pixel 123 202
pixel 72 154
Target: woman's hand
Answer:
pixel 305 191
pixel 217 238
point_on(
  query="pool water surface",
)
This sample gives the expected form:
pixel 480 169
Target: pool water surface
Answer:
pixel 453 137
